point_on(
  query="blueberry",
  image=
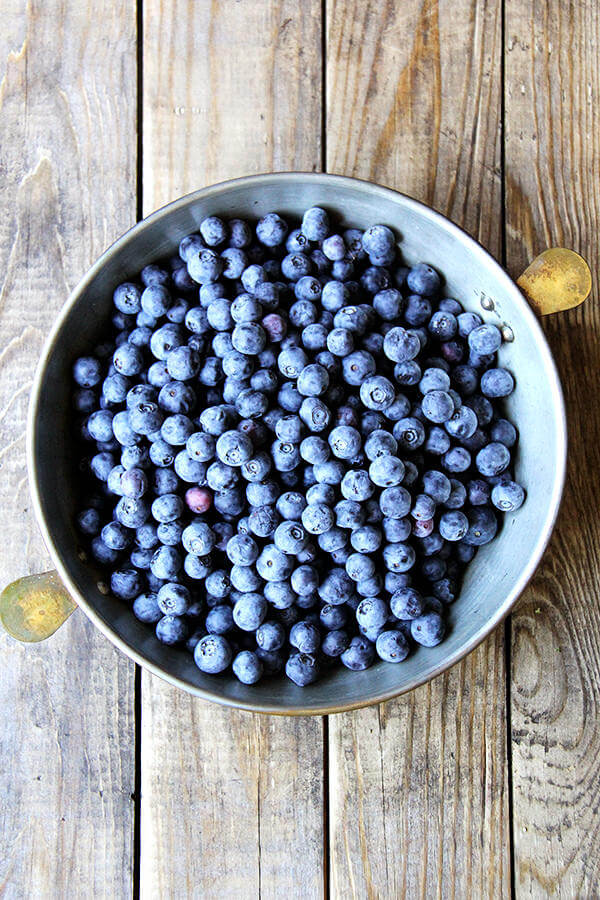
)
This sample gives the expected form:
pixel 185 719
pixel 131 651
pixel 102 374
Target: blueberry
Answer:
pixel 386 471
pixel 359 655
pixel 437 406
pixel 401 345
pixel 334 296
pixel 176 429
pixel 483 526
pixel 377 393
pixel 263 521
pixel 156 300
pixel 297 242
pixel 332 540
pixel 167 508
pixel 345 441
pixel 409 433
pixel 158 374
pixel 126 298
pixel 437 486
pixel 506 497
pixel 100 425
pixel 219 620
pixel 314 449
pixel 247 667
pixel 396 530
pixel 313 380
pixel 372 612
pixel 407 603
pixel 279 594
pixel 305 636
pixel 357 366
pixel 352 318
pixel 485 339
pixel 133 483
pixel 330 472
pixel 145 418
pixel 146 609
pixel 263 494
pixel 234 448
pixel 131 512
pixel 424 280
pixel 504 432
pixel 290 505
pixel 103 554
pixel 456 460
pixel 497 383
pixel 125 584
pixel 257 467
pixel 270 635
pixel 462 423
pixel 392 646
pixel 388 304
pixel 304 580
pixel 169 533
pixel 291 362
pixel 417 311
pixel 214 231
pixel 315 414
pixel 315 224
pixel 251 404
pixel 87 371
pixel 204 265
pixel 335 643
pixel 250 611
pixel 197 567
pixel 273 565
pixel 166 563
pixel 493 459
pixel 171 630
pixel 240 233
pixel 318 518
pixel 244 579
pixel 443 325
pixel 88 522
pixel 398 557
pixel 428 630
pixel 174 599
pixel 336 586
pixel 135 457
pixel 356 485
pixel 295 266
pixel 302 669
pixel 290 537
pixel 213 654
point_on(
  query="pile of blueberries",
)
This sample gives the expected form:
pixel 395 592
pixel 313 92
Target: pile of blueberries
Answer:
pixel 292 446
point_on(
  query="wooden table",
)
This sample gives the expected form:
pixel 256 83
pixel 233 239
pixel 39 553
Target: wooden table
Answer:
pixel 485 782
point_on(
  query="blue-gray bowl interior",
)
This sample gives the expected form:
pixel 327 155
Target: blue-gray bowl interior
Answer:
pixel 500 570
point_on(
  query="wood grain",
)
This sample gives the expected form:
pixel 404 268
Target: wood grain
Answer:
pixel 67 161
pixel 553 197
pixel 418 786
pixel 232 803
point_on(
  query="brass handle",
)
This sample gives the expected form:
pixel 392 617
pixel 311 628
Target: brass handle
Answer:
pixel 556 280
pixel 34 607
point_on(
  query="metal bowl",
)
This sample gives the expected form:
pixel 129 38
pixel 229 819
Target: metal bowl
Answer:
pixel 500 570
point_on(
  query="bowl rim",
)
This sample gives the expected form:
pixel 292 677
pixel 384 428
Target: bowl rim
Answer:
pixel 504 281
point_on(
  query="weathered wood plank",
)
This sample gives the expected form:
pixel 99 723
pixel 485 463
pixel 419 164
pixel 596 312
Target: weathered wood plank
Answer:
pixel 232 803
pixel 418 787
pixel 67 159
pixel 553 197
